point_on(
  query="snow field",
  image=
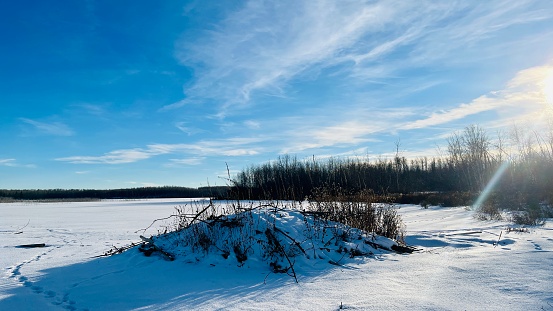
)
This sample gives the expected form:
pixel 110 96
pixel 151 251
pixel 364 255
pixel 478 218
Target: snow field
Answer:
pixel 460 266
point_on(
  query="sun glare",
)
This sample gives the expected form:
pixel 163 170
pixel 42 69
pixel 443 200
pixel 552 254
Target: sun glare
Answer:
pixel 548 87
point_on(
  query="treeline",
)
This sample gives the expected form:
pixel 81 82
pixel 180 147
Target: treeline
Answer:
pixel 525 163
pixel 127 193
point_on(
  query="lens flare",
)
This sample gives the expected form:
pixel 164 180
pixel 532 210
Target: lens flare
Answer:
pixel 491 184
pixel 546 86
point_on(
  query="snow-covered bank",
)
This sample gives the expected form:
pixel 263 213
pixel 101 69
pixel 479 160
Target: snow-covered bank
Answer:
pixel 458 268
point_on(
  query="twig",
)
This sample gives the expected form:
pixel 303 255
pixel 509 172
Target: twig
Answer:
pixel 201 212
pixel 271 237
pixel 464 233
pixel 171 216
pixel 496 243
pixel 156 220
pixel 150 242
pixel 116 250
pixel 19 231
pixel 292 239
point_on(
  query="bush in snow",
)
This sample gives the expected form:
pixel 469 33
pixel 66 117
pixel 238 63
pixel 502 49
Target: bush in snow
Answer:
pixel 488 211
pixel 533 215
pixel 357 210
pixel 329 228
pixel 522 210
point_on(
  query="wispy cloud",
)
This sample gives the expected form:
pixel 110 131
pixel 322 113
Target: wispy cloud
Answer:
pixel 183 126
pixel 264 47
pixel 265 44
pixel 523 96
pixel 52 128
pixel 96 110
pixel 175 105
pixel 347 133
pixel 252 124
pixel 113 157
pixel 13 163
pixel 481 104
pixel 187 161
pixel 341 128
pixel 7 162
pixel 229 147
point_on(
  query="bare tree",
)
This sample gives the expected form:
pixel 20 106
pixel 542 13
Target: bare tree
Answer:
pixel 469 154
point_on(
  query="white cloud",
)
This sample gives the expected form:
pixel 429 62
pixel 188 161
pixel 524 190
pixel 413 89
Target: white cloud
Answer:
pixel 523 97
pixel 264 46
pixel 267 43
pixel 93 109
pixel 481 104
pixel 13 163
pixel 7 162
pixel 347 133
pixel 228 147
pixel 113 157
pixel 339 128
pixel 186 129
pixel 253 125
pixel 54 128
pixel 187 161
pixel 175 105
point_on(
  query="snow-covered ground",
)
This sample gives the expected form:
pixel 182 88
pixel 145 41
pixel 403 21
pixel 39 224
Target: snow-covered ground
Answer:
pixel 459 266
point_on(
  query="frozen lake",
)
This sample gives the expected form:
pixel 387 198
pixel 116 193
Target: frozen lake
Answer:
pixel 458 267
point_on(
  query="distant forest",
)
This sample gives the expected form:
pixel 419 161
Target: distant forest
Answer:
pixel 129 193
pixel 525 160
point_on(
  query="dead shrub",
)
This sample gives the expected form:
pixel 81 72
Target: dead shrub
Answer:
pixel 357 210
pixel 489 211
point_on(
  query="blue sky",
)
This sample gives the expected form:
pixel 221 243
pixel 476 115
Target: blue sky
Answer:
pixel 117 94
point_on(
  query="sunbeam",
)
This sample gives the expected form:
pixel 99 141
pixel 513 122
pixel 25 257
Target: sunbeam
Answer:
pixel 491 185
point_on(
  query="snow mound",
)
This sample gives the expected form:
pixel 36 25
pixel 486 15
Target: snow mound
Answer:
pixel 279 238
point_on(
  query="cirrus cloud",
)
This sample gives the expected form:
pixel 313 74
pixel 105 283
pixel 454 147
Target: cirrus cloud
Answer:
pixel 49 128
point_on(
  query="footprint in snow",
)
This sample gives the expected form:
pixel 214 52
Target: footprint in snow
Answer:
pixel 536 245
pixel 48 294
pixel 37 289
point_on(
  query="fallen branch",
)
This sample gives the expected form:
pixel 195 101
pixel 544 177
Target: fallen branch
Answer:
pixel 201 212
pixel 403 249
pixel 20 230
pixel 180 215
pixel 117 250
pixel 464 233
pixel 292 239
pixel 496 243
pixel 274 240
pixel 149 247
pixel 156 220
